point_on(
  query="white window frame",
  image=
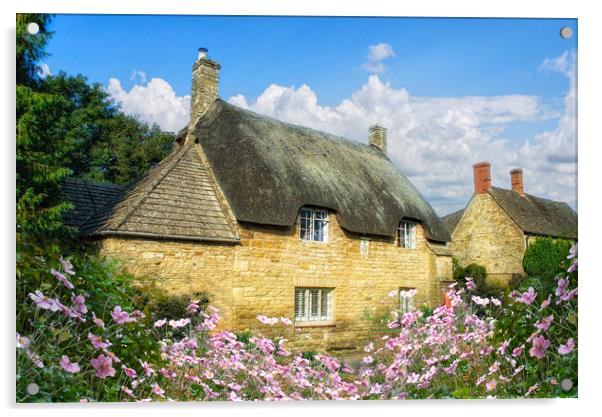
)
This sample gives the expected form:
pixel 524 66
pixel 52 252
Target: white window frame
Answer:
pixel 407 230
pixel 405 303
pixel 313 216
pixel 313 304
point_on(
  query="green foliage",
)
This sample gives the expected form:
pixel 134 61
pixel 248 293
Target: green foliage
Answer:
pixel 475 271
pixel 53 335
pixel 546 257
pixel 31 48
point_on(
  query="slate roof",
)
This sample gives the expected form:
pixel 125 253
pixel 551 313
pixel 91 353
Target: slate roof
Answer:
pixel 268 169
pixel 87 197
pixel 534 215
pixel 176 199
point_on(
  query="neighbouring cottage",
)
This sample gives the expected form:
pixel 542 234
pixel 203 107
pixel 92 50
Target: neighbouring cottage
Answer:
pixel 497 225
pixel 270 218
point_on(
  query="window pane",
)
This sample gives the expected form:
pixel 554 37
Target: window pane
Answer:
pixel 314 304
pixel 319 230
pixel 305 228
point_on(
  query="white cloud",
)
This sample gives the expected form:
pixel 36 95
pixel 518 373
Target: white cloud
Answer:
pixel 44 70
pixel 376 54
pixel 435 140
pixel 154 102
pixel 138 75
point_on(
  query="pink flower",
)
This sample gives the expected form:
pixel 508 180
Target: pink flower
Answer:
pixel 120 316
pixel 79 304
pixel 531 389
pixel 369 347
pixel 160 323
pixel 517 351
pixel 62 278
pixel 567 348
pixel 540 345
pixel 45 302
pixel 563 283
pixel 496 302
pixel 67 266
pixel 527 297
pixel 192 308
pixel 97 321
pixel 480 301
pixel 103 365
pixel 22 342
pixel 270 321
pixel 393 293
pixel 491 385
pixel 127 391
pixel 148 370
pixel 572 252
pixel 157 390
pixel 494 368
pixel 470 285
pixel 573 267
pixel 286 321
pixel 68 366
pixel 545 323
pixel 546 302
pixel 130 372
pixel 97 342
pixel 35 358
pixel 368 360
pixel 179 323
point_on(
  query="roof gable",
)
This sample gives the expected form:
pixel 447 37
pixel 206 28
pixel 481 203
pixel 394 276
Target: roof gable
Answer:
pixel 175 199
pixel 268 169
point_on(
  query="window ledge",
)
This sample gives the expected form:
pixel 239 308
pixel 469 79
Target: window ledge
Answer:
pixel 315 324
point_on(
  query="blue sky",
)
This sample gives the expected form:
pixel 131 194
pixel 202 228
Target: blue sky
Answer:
pixel 429 58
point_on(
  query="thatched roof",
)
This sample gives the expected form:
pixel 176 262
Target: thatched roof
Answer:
pixel 268 169
pixel 175 200
pixel 534 215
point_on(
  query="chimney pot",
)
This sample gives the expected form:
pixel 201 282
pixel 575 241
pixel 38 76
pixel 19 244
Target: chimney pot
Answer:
pixel 378 137
pixel 482 177
pixel 203 53
pixel 516 177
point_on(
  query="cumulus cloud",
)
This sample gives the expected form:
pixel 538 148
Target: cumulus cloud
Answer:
pixel 44 70
pixel 376 54
pixel 435 140
pixel 153 102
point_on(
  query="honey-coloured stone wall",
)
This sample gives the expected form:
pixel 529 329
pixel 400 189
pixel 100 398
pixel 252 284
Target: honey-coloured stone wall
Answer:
pixel 259 276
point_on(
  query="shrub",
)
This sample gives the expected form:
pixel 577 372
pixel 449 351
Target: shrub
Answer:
pixel 477 272
pixel 546 257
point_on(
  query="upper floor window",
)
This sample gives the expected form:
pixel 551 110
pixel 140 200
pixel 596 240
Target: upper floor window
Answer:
pixel 314 224
pixel 406 234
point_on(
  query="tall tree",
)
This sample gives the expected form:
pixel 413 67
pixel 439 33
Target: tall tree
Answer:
pixel 31 47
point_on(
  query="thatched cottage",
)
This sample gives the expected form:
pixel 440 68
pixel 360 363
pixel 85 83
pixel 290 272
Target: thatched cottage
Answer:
pixel 497 225
pixel 270 218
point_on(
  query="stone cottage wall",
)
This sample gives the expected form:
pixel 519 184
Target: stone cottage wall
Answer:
pixel 487 235
pixel 259 276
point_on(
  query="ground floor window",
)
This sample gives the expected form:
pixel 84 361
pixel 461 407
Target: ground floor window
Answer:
pixel 313 304
pixel 406 299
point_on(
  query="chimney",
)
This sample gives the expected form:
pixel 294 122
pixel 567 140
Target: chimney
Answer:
pixel 205 79
pixel 378 137
pixel 516 176
pixel 482 177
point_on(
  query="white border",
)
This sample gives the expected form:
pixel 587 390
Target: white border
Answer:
pixel 589 71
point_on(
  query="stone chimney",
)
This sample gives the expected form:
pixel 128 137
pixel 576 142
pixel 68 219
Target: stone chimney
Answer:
pixel 378 137
pixel 516 176
pixel 482 177
pixel 205 80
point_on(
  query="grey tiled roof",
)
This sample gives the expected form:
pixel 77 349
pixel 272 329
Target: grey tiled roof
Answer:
pixel 175 200
pixel 87 197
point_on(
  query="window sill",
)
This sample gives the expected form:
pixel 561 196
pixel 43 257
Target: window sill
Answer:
pixel 304 324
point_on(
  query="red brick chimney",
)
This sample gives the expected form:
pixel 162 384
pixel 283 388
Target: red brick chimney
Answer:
pixel 482 177
pixel 516 176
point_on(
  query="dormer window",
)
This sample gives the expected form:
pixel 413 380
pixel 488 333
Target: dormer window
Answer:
pixel 406 234
pixel 314 224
